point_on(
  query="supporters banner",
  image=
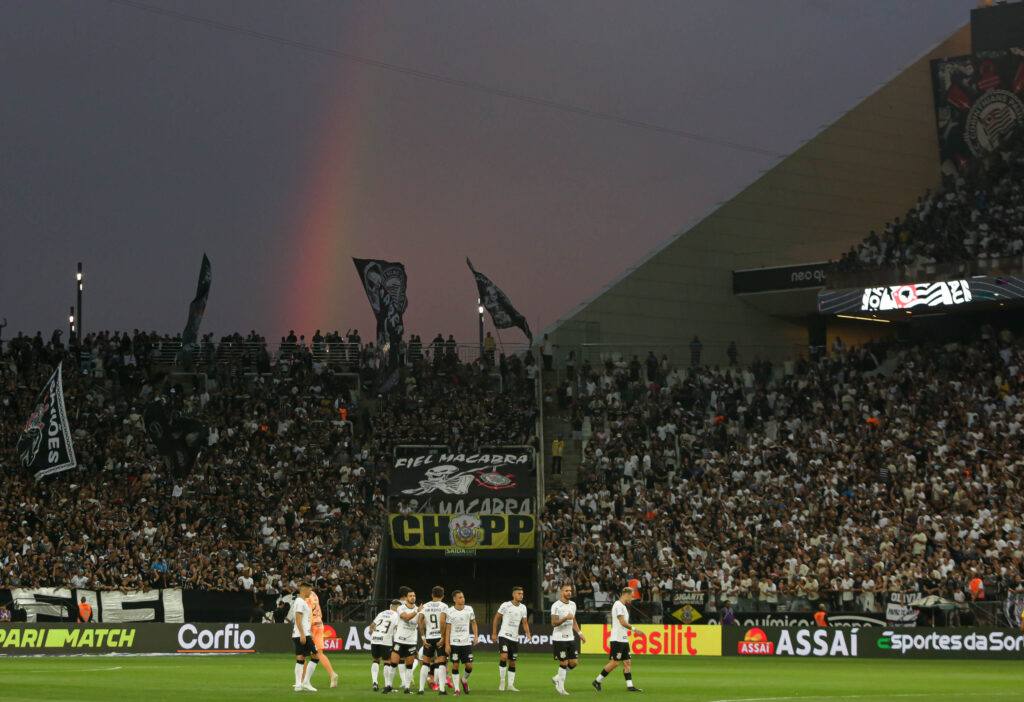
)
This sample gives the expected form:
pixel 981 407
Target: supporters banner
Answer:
pixel 178 441
pixel 385 285
pixel 494 480
pixel 658 639
pixel 462 534
pixel 977 104
pixel 898 611
pixel 50 604
pixel 45 444
pixel 503 314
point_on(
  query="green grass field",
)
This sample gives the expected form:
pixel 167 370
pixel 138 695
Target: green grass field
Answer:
pixel 270 677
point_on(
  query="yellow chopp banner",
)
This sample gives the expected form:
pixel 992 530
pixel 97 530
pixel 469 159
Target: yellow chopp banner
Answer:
pixel 659 639
pixel 462 531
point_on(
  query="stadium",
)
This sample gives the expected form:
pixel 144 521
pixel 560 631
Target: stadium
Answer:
pixel 780 457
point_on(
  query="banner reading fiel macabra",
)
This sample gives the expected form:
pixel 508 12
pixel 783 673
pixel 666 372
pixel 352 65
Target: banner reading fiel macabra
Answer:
pixel 497 480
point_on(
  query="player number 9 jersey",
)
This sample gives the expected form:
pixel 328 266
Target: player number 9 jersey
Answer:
pixel 431 614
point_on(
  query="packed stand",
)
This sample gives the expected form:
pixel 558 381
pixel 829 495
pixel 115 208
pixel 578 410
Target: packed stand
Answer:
pixel 285 489
pixel 978 214
pixel 837 480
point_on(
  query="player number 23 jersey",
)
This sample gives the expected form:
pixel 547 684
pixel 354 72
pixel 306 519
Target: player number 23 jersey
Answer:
pixel 384 628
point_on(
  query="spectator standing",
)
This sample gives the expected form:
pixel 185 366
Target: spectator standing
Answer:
pixel 696 347
pixel 557 449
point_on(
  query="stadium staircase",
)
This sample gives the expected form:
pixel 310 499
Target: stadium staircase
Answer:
pixel 558 422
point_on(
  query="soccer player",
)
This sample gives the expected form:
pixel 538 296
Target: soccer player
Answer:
pixel 404 647
pixel 302 637
pixel 563 639
pixel 317 628
pixel 432 621
pixel 619 643
pixel 458 642
pixel 382 635
pixel 509 615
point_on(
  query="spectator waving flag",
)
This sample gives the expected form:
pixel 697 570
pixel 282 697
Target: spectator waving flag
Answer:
pixel 503 314
pixel 385 285
pixel 196 309
pixel 178 442
pixel 45 445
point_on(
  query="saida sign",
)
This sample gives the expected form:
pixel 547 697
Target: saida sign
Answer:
pixel 462 532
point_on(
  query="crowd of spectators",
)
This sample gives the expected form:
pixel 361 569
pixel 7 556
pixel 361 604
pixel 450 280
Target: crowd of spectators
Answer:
pixel 291 482
pixel 977 214
pixel 836 480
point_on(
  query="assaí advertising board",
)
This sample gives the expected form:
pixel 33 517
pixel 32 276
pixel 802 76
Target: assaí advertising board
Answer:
pixel 873 642
pixel 816 642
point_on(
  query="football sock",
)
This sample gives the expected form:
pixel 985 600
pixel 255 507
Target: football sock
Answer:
pixel 298 673
pixel 562 672
pixel 309 672
pixel 389 674
pixel 502 669
pixel 466 672
pixel 409 670
pixel 374 669
pixel 601 676
pixel 512 677
pixel 424 672
pixel 629 679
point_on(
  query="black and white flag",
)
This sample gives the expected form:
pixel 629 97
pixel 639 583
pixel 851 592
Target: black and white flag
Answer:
pixel 45 445
pixel 196 309
pixel 503 314
pixel 385 285
pixel 178 441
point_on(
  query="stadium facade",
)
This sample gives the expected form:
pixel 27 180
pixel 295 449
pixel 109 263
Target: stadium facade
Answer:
pixel 855 175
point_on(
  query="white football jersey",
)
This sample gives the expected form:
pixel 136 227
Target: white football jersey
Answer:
pixel 619 632
pixel 408 630
pixel 563 632
pixel 511 616
pixel 299 606
pixel 459 619
pixel 384 628
pixel 431 614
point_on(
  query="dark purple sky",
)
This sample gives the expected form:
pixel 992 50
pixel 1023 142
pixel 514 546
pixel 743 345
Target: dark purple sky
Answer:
pixel 134 141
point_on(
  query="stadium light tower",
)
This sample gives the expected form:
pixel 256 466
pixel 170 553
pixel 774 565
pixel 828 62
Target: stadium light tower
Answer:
pixel 480 316
pixel 71 325
pixel 78 315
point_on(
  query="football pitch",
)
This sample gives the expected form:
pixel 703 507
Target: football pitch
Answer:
pixel 270 677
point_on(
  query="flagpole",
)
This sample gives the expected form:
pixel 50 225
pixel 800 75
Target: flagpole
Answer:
pixel 480 316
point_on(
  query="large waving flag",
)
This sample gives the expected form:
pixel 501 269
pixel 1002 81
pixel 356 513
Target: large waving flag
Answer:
pixel 45 445
pixel 196 309
pixel 385 285
pixel 503 314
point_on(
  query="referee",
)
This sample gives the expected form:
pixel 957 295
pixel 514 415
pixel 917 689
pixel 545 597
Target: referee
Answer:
pixel 619 644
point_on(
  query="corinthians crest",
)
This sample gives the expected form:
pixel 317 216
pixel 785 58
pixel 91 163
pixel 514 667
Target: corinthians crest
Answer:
pixel 465 531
